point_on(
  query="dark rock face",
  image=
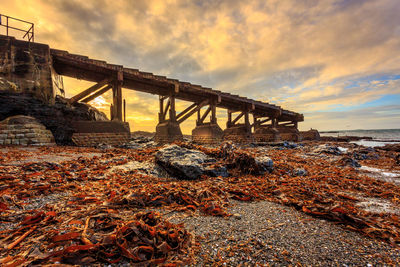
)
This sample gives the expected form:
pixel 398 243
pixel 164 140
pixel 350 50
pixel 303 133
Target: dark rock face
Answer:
pixel 189 164
pixel 327 149
pixel 57 118
pixel 348 161
pixel 391 147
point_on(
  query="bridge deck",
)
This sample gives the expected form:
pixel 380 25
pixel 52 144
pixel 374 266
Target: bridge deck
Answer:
pixel 84 68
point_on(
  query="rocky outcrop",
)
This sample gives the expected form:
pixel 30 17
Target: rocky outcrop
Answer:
pixel 184 163
pixel 57 118
pixel 24 130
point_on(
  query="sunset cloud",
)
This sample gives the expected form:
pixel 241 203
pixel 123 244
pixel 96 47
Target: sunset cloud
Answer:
pixel 320 58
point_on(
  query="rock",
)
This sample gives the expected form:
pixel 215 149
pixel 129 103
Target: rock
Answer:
pixel 289 145
pixel 391 147
pixel 57 118
pixel 103 146
pixel 348 161
pixel 184 163
pixel 264 164
pixel 237 216
pixel 328 149
pixel 299 172
pixel 146 168
pixel 365 153
pixel 139 143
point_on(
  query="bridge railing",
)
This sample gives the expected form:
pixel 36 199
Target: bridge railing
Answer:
pixel 11 23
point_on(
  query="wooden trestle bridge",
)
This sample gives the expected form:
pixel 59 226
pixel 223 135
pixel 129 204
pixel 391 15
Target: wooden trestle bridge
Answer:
pixel 270 122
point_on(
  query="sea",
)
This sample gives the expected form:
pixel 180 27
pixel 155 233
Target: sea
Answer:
pixel 380 137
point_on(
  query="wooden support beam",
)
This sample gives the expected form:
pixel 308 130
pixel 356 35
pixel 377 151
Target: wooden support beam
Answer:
pixel 287 124
pixel 117 101
pixel 172 111
pixel 199 106
pixel 229 122
pixel 238 117
pixel 247 121
pixel 98 93
pixel 213 113
pixel 164 112
pixel 205 114
pixel 264 121
pixel 274 122
pixel 88 91
pixel 186 110
pixel 161 114
pixel 124 110
pixel 176 87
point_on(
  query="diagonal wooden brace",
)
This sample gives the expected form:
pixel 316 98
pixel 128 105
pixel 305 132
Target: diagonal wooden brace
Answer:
pixel 89 91
pixel 190 113
pixel 98 93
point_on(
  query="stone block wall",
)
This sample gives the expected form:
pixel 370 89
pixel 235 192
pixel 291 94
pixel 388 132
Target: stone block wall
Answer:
pixel 28 66
pixel 24 130
pixel 266 134
pixel 57 118
pixel 168 132
pixel 94 139
pixel 209 133
pixel 238 134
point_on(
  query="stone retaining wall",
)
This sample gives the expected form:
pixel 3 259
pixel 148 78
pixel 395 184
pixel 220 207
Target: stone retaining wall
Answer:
pixel 94 139
pixel 30 133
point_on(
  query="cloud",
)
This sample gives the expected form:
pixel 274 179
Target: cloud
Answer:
pixel 316 57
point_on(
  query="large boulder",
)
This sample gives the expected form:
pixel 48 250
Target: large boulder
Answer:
pixel 184 163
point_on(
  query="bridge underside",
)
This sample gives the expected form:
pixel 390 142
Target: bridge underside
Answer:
pixel 270 122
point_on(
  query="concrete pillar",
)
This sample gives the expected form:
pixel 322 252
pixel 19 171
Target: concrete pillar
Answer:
pixel 289 133
pixel 266 133
pixel 209 132
pixel 168 130
pixel 238 132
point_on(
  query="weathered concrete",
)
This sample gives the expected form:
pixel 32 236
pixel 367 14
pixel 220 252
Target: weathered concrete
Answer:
pixel 312 134
pixel 288 133
pixel 239 133
pixel 94 133
pixel 101 127
pixel 168 132
pixel 28 65
pixel 207 133
pixel 266 134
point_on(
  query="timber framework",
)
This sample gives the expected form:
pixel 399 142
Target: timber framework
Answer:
pixel 248 119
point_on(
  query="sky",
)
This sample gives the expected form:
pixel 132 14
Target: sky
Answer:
pixel 337 62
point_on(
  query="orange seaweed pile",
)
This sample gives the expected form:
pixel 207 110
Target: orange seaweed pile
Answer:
pixel 88 214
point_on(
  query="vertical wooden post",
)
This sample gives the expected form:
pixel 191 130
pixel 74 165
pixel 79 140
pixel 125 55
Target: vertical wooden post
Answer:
pixel 161 113
pixel 229 122
pixel 295 123
pixel 198 117
pixel 247 121
pixel 124 110
pixel 117 96
pixel 255 122
pixel 172 111
pixel 213 113
pixel 111 112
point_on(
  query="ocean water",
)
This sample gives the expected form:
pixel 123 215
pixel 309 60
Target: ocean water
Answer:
pixel 380 137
